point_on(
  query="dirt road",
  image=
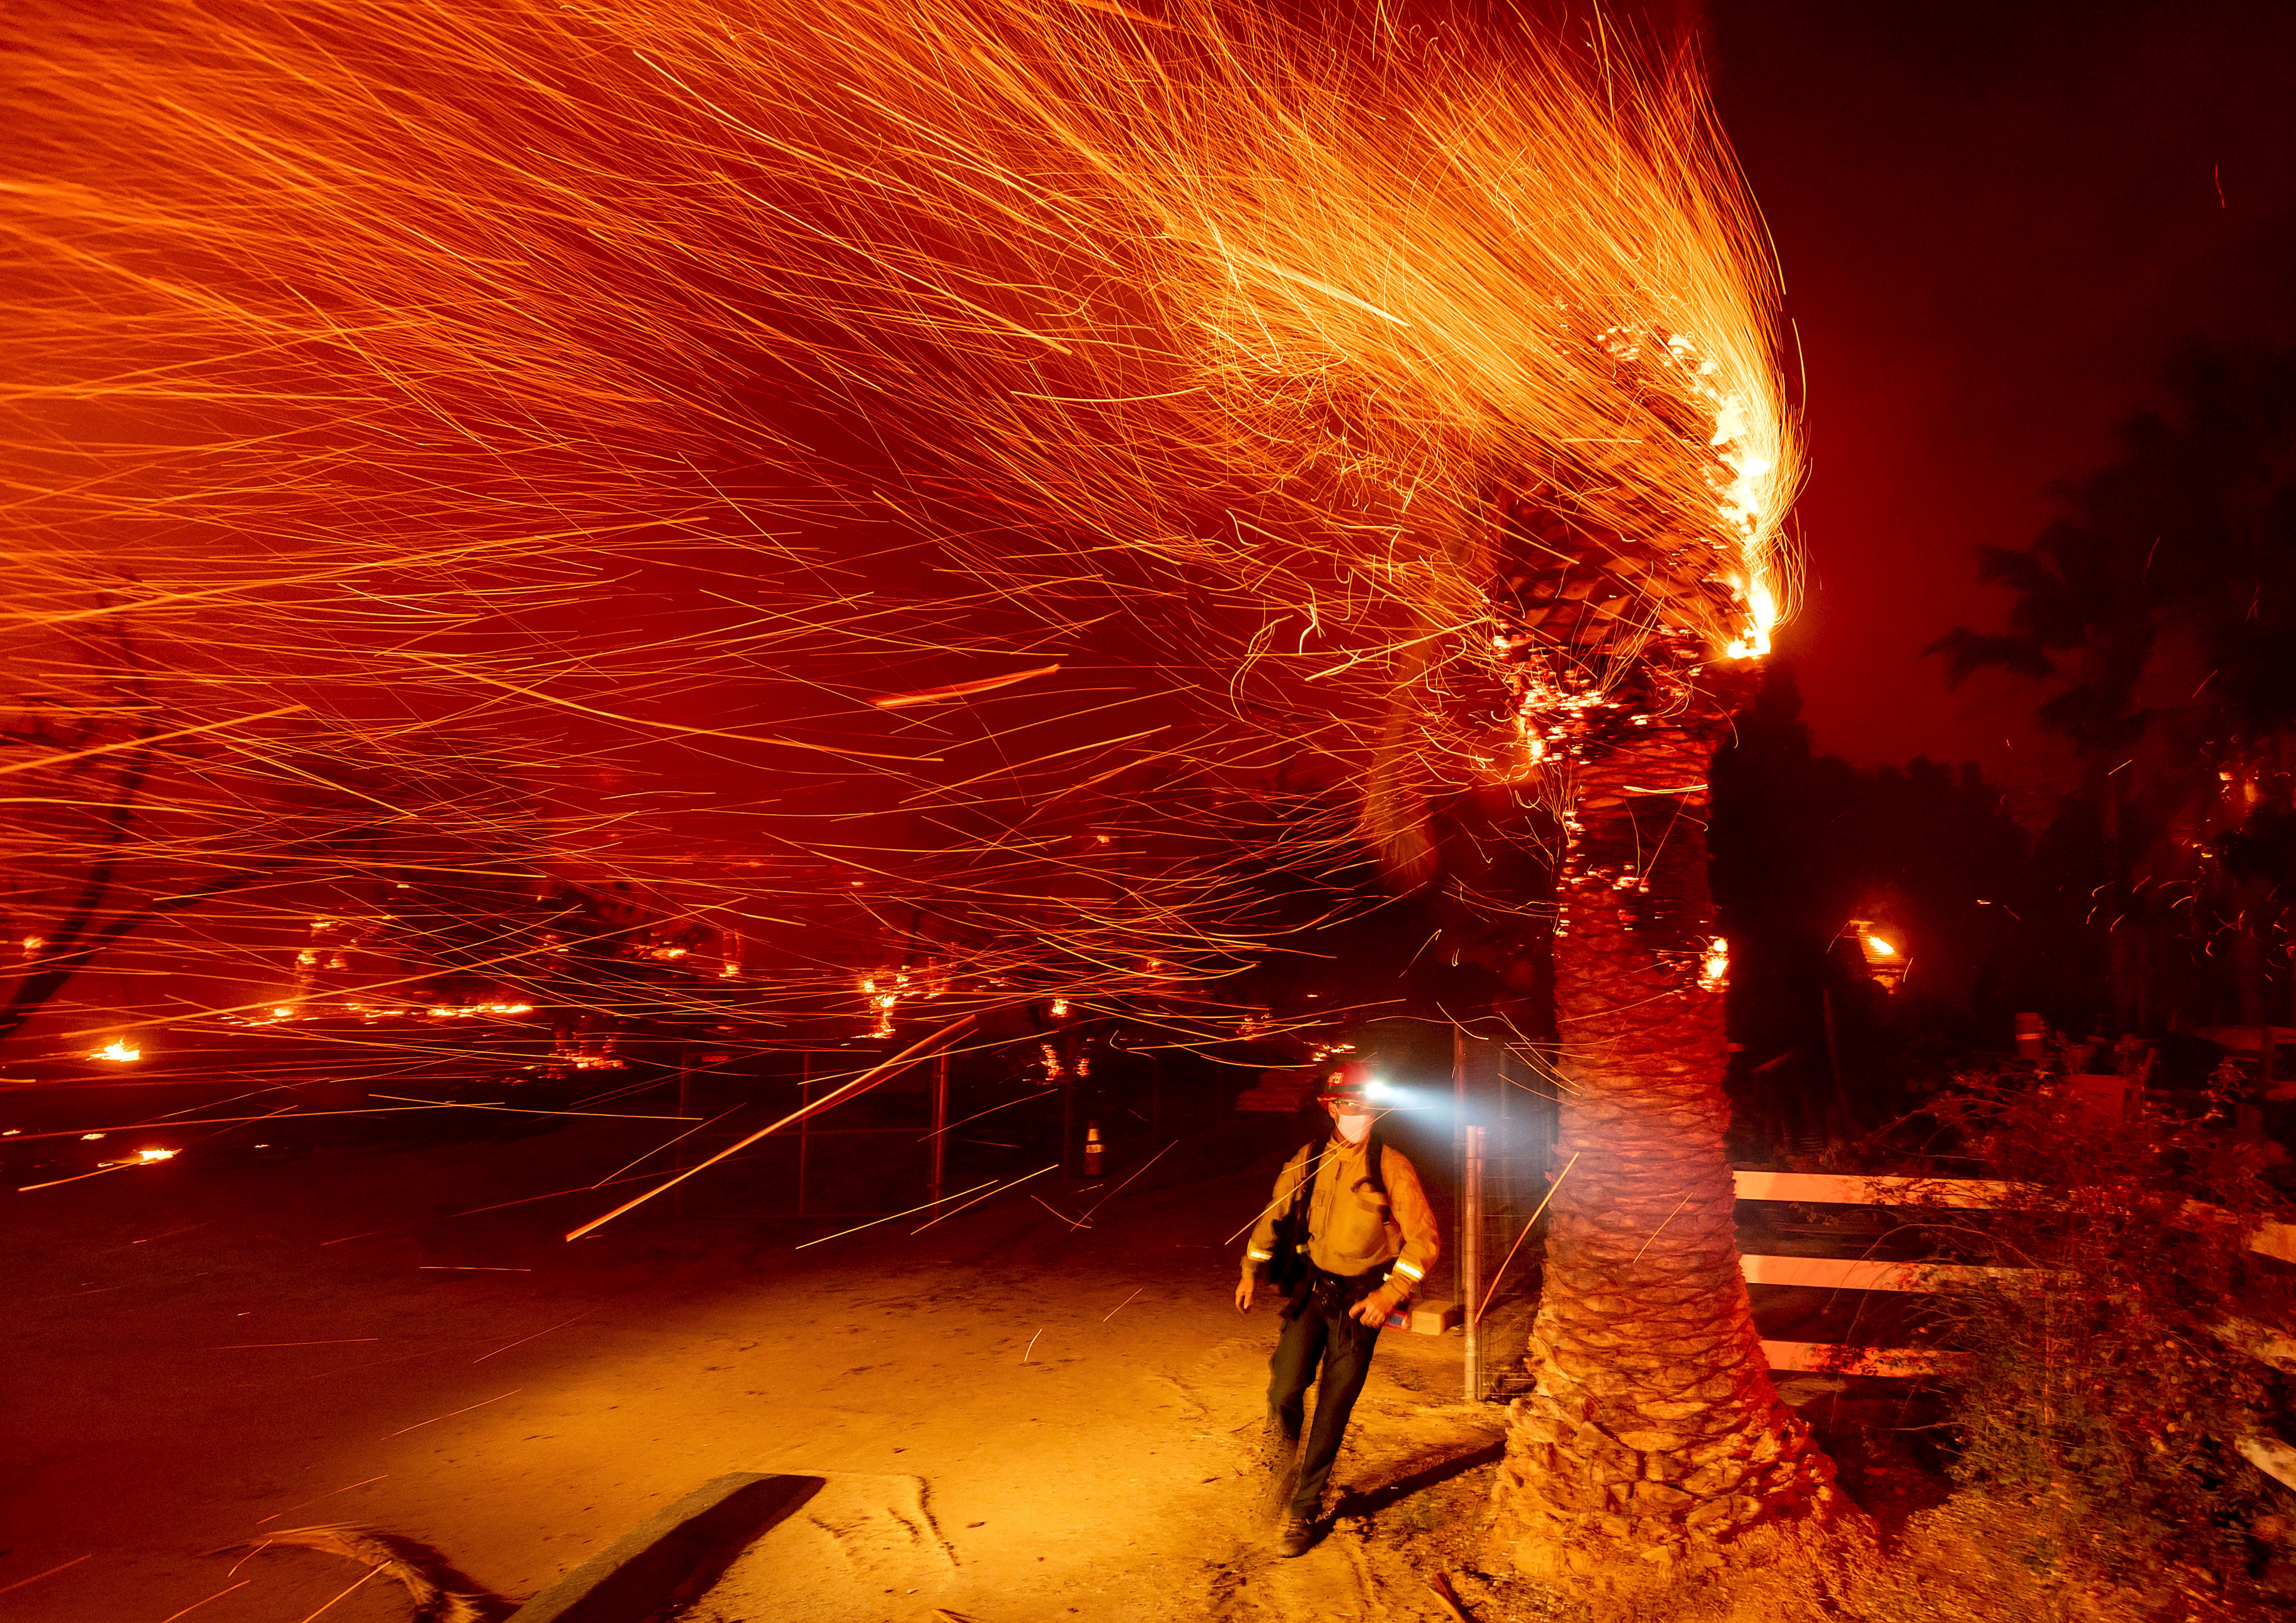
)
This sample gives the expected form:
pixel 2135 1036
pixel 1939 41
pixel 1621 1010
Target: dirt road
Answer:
pixel 1019 1418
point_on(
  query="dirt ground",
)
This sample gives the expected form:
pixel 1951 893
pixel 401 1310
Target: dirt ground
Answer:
pixel 1019 1420
pixel 1016 1420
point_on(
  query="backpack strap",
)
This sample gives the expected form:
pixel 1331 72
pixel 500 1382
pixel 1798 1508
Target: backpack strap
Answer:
pixel 1375 1178
pixel 1292 1227
pixel 1374 1172
pixel 1307 1184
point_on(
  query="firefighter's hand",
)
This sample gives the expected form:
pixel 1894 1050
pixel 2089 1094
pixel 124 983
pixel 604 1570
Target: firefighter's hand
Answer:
pixel 1374 1309
pixel 1246 1289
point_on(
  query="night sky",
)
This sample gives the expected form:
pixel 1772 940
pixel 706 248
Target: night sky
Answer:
pixel 1996 222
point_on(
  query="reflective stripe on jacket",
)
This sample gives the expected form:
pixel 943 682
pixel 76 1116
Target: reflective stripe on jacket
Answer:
pixel 1348 1229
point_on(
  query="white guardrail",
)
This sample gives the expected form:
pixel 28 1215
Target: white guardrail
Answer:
pixel 2266 1452
pixel 2277 1240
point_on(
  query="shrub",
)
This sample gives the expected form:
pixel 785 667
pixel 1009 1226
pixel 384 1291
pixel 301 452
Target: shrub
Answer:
pixel 2102 1387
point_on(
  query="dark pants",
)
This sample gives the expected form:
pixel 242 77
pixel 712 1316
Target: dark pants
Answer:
pixel 1317 1331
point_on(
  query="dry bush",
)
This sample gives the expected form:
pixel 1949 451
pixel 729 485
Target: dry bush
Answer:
pixel 2101 1395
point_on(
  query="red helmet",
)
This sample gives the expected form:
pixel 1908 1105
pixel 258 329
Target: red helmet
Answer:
pixel 1349 1083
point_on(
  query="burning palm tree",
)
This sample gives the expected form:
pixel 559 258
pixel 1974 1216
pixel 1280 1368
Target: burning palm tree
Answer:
pixel 1654 1429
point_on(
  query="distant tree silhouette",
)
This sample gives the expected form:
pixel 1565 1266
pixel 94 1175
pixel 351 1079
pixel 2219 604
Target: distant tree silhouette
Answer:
pixel 1803 843
pixel 90 740
pixel 2162 608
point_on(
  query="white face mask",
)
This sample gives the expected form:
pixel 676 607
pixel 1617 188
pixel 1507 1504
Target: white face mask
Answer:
pixel 1355 1129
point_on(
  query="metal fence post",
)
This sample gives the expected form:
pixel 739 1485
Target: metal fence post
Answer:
pixel 804 1125
pixel 1459 1152
pixel 1471 1262
pixel 1506 1147
pixel 940 1124
pixel 685 1109
pixel 1067 1127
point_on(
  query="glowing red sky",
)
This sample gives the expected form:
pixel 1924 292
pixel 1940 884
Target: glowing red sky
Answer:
pixel 1996 221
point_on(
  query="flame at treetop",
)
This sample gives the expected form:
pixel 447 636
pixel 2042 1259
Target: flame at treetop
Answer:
pixel 379 335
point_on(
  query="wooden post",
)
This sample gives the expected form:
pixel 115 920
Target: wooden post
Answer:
pixel 939 1124
pixel 1843 1127
pixel 1471 1262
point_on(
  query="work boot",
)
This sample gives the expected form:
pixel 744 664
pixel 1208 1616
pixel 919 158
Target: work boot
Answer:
pixel 1299 1532
pixel 1280 1458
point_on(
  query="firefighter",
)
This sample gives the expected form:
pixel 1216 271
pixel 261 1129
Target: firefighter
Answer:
pixel 1347 1237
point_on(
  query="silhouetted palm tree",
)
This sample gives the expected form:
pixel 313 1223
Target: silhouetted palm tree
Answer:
pixel 2162 606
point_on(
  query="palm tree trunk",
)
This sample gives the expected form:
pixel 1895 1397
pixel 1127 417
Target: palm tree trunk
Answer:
pixel 1654 1434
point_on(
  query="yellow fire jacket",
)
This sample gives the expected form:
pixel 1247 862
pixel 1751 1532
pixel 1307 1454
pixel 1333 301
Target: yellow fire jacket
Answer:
pixel 1350 1228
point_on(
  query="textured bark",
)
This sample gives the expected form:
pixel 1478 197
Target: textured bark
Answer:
pixel 1654 1433
pixel 1653 1440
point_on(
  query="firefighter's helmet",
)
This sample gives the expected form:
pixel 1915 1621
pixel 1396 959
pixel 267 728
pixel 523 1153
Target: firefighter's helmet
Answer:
pixel 1350 1084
